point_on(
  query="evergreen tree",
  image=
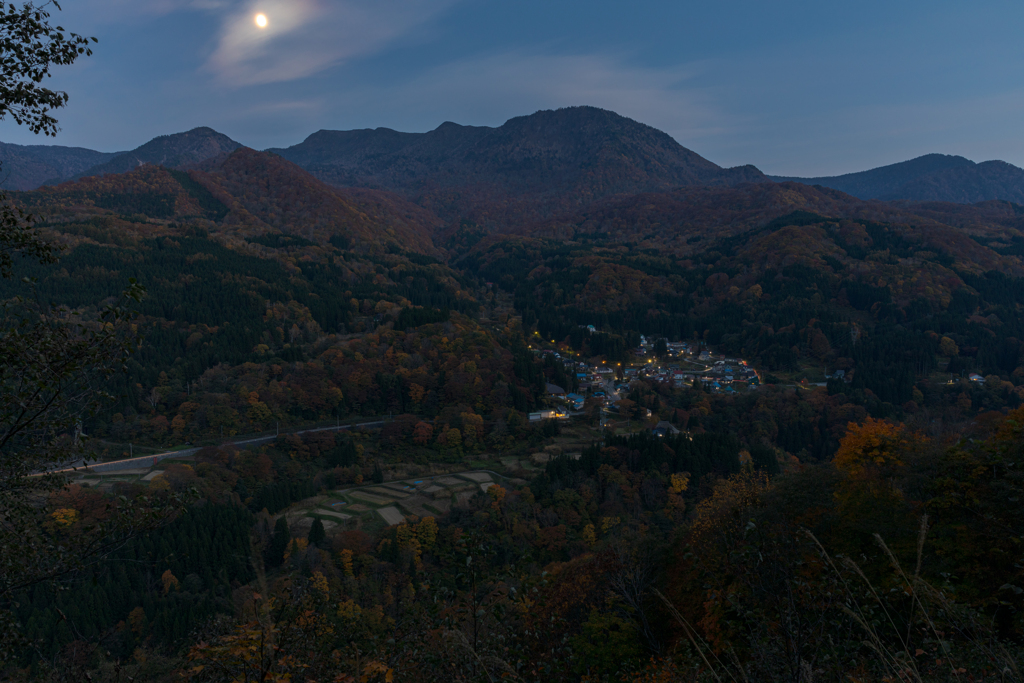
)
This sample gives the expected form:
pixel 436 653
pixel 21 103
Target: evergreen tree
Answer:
pixel 378 474
pixel 278 543
pixel 317 534
pixel 763 458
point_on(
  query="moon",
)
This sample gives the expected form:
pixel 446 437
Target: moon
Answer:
pixel 261 20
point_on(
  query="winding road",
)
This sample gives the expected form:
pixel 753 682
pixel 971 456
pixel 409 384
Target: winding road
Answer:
pixel 151 460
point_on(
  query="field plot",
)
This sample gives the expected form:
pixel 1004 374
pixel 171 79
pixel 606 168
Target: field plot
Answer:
pixel 438 507
pixel 478 477
pixel 370 498
pixel 414 505
pixel 391 515
pixel 388 492
pixel 331 513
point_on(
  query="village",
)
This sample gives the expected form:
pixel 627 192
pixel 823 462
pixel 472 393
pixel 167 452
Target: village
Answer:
pixel 655 361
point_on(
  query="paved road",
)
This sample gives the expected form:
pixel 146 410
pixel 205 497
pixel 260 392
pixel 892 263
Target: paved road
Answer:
pixel 151 460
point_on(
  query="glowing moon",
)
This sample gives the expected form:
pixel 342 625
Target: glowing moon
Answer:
pixel 261 20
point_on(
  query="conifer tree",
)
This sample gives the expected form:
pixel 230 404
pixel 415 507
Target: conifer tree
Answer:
pixel 317 534
pixel 278 543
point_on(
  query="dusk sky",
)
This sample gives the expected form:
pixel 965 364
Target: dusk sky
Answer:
pixel 795 88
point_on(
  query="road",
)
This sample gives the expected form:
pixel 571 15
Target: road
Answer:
pixel 151 460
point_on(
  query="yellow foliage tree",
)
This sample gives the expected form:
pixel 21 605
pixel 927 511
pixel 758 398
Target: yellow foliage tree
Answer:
pixel 874 447
pixel 346 562
pixel 426 532
pixel 64 517
pixel 160 483
pixel 497 494
pixel 169 580
pixel 679 482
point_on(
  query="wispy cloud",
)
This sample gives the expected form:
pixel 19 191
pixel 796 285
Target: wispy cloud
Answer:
pixel 304 37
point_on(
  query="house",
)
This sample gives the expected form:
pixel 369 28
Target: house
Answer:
pixel 555 390
pixel 576 401
pixel 664 428
pixel 975 377
pixel 548 415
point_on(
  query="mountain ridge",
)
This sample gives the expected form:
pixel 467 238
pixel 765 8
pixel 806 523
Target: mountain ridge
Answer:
pixel 932 177
pixel 26 167
pixel 531 167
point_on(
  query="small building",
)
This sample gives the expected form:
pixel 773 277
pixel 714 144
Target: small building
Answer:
pixel 548 415
pixel 664 428
pixel 555 390
pixel 576 401
pixel 975 377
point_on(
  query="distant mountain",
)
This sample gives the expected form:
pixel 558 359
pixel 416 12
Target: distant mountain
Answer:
pixel 246 195
pixel 178 151
pixel 532 167
pixel 933 177
pixel 26 167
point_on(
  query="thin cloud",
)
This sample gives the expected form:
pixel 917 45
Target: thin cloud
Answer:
pixel 304 37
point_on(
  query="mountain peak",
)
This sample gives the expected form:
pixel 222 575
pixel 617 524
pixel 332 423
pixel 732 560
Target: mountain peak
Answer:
pixel 177 150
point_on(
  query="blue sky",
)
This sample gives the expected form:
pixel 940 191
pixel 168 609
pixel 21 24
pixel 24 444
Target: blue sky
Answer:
pixel 795 88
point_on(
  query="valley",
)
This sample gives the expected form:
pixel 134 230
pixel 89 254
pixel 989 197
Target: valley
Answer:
pixel 562 385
